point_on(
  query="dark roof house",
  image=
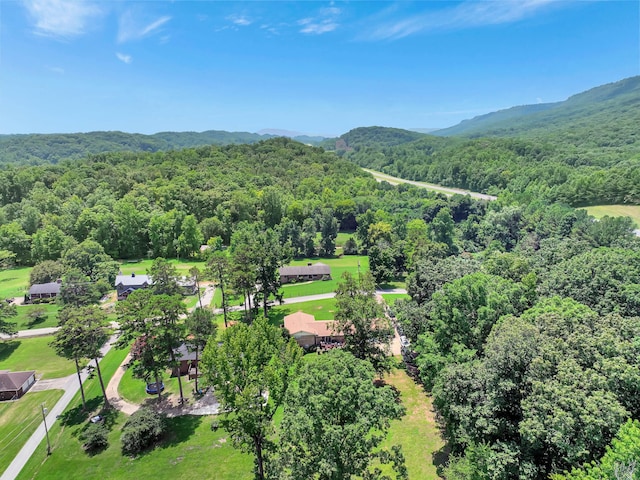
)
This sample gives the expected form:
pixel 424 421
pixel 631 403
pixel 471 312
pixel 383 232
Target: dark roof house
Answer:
pixel 15 384
pixel 44 290
pixel 317 271
pixel 125 284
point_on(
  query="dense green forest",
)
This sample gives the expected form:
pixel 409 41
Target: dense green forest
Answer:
pixel 51 148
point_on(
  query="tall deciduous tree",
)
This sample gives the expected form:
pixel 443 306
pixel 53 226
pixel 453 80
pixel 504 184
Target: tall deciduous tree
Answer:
pixel 219 269
pixel 81 335
pixel 335 419
pixel 190 237
pixel 328 233
pixel 359 316
pixel 7 311
pixel 251 371
pixel 200 328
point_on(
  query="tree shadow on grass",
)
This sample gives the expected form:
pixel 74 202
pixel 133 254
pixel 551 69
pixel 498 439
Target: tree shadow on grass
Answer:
pixel 7 348
pixel 180 429
pixel 78 415
pixel 441 458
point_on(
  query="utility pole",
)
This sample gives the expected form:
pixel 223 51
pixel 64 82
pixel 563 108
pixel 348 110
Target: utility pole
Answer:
pixel 44 419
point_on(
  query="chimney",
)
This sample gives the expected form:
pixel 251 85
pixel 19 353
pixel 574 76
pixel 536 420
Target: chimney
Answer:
pixel 309 264
pixel 133 275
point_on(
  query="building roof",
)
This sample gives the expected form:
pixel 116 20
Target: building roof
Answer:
pixel 12 381
pixel 301 322
pixel 133 280
pixel 315 269
pixel 45 288
pixel 184 353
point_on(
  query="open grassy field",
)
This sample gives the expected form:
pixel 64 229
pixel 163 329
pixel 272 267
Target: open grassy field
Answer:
pixel 34 354
pixel 24 322
pixel 600 211
pixel 19 419
pixel 14 282
pixel 140 267
pixel 346 263
pixel 417 431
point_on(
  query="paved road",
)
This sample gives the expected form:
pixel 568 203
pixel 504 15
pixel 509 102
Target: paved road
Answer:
pixel 71 387
pixel 379 176
pixel 34 332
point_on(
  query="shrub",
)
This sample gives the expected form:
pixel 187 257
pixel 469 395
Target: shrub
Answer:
pixel 141 430
pixel 95 437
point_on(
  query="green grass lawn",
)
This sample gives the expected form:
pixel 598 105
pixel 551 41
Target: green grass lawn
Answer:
pixel 19 419
pixel 417 431
pixel 346 263
pixel 133 389
pixel 141 266
pixel 391 298
pixel 190 450
pixel 320 309
pixel 600 211
pixel 34 354
pixel 14 282
pixel 50 318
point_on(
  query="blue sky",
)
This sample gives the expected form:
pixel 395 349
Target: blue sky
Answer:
pixel 314 67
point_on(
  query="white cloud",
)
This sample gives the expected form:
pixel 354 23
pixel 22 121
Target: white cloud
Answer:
pixel 124 58
pixel 468 14
pixel 326 21
pixel 132 29
pixel 239 20
pixel 58 70
pixel 61 18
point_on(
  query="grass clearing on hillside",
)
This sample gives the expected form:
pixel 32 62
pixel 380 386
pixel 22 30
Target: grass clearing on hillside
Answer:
pixel 600 211
pixel 19 419
pixel 34 354
pixel 14 282
pixel 417 432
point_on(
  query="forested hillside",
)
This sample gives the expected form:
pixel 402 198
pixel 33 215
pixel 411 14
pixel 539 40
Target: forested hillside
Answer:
pixel 51 148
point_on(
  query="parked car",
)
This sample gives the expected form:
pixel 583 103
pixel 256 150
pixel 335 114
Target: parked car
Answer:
pixel 152 388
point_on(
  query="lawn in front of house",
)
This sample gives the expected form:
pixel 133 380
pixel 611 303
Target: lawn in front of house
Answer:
pixel 346 263
pixel 422 443
pixel 320 309
pixel 19 419
pixel 140 267
pixel 25 322
pixel 391 298
pixel 133 389
pixel 190 449
pixel 22 354
pixel 14 282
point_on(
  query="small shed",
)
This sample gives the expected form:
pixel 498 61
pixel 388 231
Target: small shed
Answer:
pixel 15 384
pixel 186 356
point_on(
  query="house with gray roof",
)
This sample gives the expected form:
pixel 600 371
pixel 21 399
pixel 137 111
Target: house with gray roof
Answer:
pixel 15 384
pixel 304 273
pixel 44 290
pixel 126 284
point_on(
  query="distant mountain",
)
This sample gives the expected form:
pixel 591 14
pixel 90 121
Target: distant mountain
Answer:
pixel 372 137
pixel 51 148
pixel 297 136
pixel 423 130
pixel 595 115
